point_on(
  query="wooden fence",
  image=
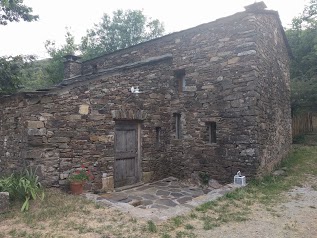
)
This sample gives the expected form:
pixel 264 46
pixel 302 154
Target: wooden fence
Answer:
pixel 302 124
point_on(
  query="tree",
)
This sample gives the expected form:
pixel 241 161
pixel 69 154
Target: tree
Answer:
pixel 14 10
pixel 11 67
pixel 55 67
pixel 302 38
pixel 120 31
pixel 11 71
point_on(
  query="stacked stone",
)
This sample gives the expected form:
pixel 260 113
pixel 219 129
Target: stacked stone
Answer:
pixel 230 66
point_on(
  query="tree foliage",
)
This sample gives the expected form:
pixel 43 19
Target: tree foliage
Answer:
pixel 55 67
pixel 14 11
pixel 11 72
pixel 120 31
pixel 11 68
pixel 302 38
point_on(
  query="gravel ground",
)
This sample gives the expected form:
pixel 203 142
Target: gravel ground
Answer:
pixel 296 216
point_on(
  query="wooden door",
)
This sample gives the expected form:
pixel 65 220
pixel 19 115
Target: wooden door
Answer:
pixel 126 170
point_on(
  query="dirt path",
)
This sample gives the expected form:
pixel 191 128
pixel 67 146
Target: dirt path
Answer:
pixel 296 216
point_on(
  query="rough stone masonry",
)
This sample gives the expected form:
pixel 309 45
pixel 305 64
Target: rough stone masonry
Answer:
pixel 214 100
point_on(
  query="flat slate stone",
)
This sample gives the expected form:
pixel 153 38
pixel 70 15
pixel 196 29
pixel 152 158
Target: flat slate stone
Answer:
pixel 162 193
pixel 146 202
pixel 127 200
pixel 205 191
pixel 184 200
pixel 166 202
pixel 149 196
pixel 174 186
pixel 132 197
pixel 116 197
pixel 177 195
pixel 162 184
pixel 169 179
pixel 143 188
pixel 158 206
pixel 175 190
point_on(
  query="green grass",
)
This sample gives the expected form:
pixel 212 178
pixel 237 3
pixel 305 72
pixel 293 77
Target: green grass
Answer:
pixel 151 227
pixel 189 227
pixel 178 220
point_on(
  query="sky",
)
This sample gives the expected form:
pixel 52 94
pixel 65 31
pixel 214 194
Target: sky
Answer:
pixel 80 15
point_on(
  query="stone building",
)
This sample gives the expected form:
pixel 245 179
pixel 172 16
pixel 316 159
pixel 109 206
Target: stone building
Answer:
pixel 214 98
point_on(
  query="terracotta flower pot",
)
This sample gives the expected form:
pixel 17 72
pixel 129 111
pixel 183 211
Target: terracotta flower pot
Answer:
pixel 76 187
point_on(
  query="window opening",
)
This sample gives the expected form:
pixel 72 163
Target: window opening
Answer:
pixel 177 117
pixel 211 127
pixel 180 78
pixel 94 68
pixel 158 134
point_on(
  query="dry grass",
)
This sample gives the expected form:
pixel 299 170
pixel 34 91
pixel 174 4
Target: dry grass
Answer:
pixel 63 215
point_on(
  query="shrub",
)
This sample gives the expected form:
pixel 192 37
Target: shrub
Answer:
pixel 23 187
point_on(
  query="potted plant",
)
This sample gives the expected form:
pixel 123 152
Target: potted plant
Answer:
pixel 77 180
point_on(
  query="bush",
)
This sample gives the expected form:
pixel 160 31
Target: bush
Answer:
pixel 22 187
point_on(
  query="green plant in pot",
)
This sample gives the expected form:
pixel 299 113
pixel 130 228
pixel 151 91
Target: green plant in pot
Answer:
pixel 78 178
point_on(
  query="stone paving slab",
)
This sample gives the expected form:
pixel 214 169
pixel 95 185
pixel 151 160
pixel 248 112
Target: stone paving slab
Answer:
pixel 160 200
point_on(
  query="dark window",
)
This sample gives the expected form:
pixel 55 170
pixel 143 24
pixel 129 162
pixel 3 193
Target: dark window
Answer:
pixel 158 134
pixel 94 68
pixel 180 78
pixel 177 117
pixel 211 128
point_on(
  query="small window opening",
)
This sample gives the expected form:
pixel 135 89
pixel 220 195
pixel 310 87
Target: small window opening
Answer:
pixel 177 117
pixel 211 127
pixel 158 134
pixel 180 78
pixel 94 68
pixel 16 122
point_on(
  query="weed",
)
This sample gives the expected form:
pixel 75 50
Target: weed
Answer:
pixel 177 220
pixel 189 227
pixel 204 177
pixel 237 194
pixel 166 235
pixel 151 227
pixel 207 206
pixel 133 220
pixel 209 223
pixel 183 234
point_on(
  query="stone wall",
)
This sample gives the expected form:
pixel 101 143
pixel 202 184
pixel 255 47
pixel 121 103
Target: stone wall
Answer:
pixel 12 134
pixel 273 93
pixel 229 69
